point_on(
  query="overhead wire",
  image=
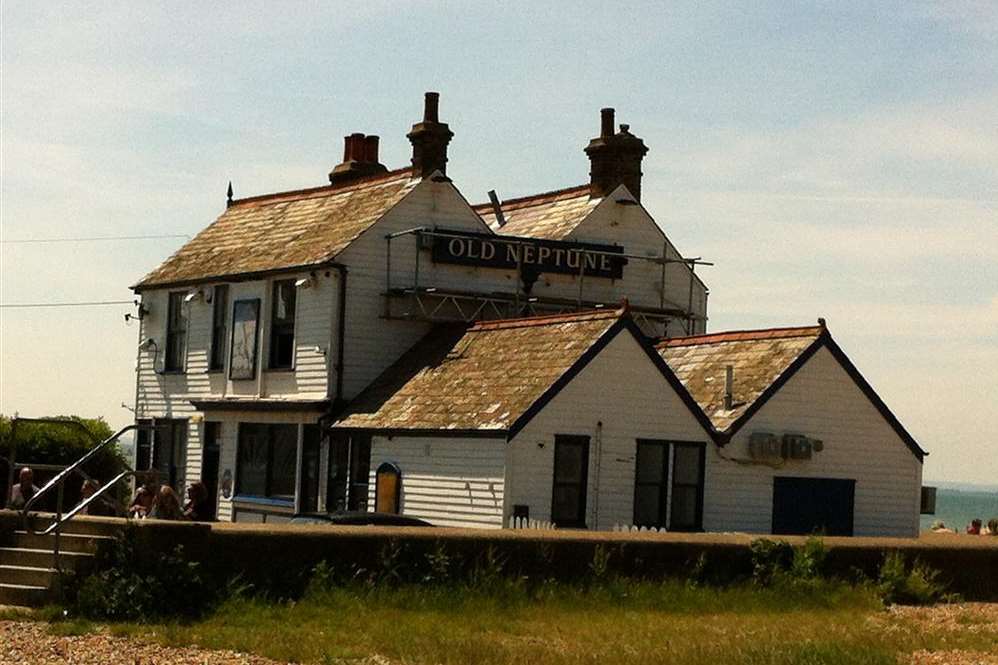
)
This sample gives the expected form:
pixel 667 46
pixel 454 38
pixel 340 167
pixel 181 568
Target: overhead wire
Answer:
pixel 21 241
pixel 90 303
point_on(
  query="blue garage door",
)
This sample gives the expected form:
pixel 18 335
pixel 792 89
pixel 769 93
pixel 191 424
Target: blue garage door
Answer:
pixel 813 505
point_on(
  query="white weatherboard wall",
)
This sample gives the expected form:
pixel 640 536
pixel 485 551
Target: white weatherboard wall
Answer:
pixel 622 388
pixel 632 227
pixel 820 401
pixel 447 481
pixel 373 342
pixel 160 395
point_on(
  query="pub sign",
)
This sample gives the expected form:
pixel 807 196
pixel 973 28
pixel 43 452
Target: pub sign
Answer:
pixel 541 256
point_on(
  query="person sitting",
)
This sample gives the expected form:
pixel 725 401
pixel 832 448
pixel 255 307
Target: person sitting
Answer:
pixel 974 528
pixel 166 506
pixel 143 501
pixel 24 490
pixel 197 508
pixel 939 527
pixel 101 506
pixel 992 529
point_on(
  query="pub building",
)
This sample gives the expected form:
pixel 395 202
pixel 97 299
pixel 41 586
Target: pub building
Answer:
pixel 379 344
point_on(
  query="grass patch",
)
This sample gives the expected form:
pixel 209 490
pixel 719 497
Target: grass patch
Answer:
pixel 615 623
pixel 435 606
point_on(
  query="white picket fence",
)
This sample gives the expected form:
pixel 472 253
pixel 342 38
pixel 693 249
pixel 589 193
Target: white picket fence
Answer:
pixel 630 528
pixel 525 523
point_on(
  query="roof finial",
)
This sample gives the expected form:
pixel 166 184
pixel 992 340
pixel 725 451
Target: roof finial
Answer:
pixel 228 193
pixel 625 306
pixel 821 322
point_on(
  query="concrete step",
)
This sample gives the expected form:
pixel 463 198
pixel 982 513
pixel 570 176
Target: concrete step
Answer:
pixel 68 542
pixel 27 575
pixel 23 595
pixel 41 558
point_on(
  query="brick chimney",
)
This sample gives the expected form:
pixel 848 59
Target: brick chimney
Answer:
pixel 360 158
pixel 429 140
pixel 614 159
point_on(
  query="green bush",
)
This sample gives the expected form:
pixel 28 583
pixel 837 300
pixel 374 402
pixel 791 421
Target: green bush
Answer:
pixel 52 443
pixel 134 585
pixel 917 584
pixel 769 559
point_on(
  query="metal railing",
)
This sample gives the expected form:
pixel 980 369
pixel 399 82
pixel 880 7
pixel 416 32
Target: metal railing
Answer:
pixel 59 481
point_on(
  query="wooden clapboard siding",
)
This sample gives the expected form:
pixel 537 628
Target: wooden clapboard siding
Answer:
pixel 627 393
pixel 632 227
pixel 820 401
pixel 373 342
pixel 448 481
pixel 169 395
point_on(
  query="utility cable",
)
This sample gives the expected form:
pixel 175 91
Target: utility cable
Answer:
pixel 92 303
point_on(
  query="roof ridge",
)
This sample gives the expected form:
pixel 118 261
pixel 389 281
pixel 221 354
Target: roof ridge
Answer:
pixel 548 319
pixel 534 199
pixel 741 336
pixel 321 189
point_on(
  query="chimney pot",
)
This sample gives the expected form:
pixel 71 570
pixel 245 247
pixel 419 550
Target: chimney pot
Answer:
pixel 360 158
pixel 606 126
pixel 429 140
pixel 431 107
pixel 371 149
pixel 356 148
pixel 614 159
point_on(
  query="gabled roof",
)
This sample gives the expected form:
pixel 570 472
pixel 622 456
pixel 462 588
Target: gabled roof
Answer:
pixel 549 216
pixel 492 377
pixel 758 358
pixel 283 231
pixel 762 362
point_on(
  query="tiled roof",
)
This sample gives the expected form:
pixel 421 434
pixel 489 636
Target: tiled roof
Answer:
pixel 758 358
pixel 286 230
pixel 551 216
pixel 480 378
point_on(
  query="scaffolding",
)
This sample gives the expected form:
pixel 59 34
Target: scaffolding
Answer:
pixel 419 301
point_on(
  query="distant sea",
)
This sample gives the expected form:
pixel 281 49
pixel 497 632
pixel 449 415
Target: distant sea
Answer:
pixel 957 507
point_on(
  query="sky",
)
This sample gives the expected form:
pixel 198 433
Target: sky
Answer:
pixel 832 159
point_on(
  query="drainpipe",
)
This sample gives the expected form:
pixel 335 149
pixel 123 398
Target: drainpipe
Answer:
pixel 341 333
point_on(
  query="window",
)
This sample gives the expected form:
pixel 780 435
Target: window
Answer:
pixel 169 455
pixel 687 487
pixel 308 493
pixel 651 489
pixel 266 463
pixel 360 470
pixel 349 468
pixel 220 305
pixel 571 475
pixel 210 455
pixel 282 326
pixel 679 506
pixel 176 333
pixel 143 446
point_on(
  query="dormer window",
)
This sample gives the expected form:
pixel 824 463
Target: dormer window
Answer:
pixel 282 325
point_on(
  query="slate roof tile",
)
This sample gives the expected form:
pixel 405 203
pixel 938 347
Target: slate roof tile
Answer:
pixel 758 358
pixel 284 230
pixel 480 378
pixel 550 216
